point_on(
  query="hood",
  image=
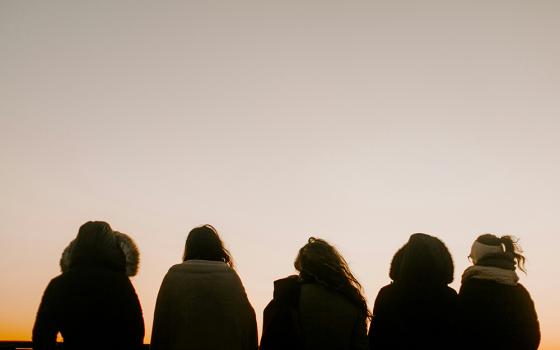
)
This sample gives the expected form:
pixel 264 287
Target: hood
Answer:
pixel 131 253
pixel 396 263
pixel 125 244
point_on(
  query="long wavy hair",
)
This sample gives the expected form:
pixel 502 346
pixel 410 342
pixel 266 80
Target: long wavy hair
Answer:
pixel 204 243
pixel 319 262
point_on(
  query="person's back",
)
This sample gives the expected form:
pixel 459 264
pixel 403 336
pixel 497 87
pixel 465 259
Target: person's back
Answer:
pixel 417 310
pixel 329 321
pixel 92 304
pixel 201 304
pixel 321 308
pixel 92 309
pixel 497 316
pixel 414 318
pixel 496 312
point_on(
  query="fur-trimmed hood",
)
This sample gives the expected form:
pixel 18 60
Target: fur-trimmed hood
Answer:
pixel 127 245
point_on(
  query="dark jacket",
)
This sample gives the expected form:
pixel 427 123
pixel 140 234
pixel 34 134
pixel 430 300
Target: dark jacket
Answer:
pixel 93 304
pixel 407 317
pixel 281 327
pixel 311 318
pixel 497 316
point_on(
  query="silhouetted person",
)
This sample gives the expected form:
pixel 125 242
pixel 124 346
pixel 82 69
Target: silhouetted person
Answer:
pixel 322 308
pixel 201 303
pixel 496 310
pixel 418 309
pixel 92 303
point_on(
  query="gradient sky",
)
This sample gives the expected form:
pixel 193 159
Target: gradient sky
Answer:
pixel 358 122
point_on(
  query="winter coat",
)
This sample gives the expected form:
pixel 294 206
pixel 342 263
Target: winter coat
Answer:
pixel 320 318
pixel 329 321
pixel 202 305
pixel 406 317
pixel 497 316
pixel 281 326
pixel 92 304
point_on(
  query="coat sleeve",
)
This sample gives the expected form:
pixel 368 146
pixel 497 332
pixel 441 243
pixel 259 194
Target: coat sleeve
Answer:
pixel 381 332
pixel 250 333
pixel 269 314
pixel 47 323
pixel 531 326
pixel 136 320
pixel 160 327
pixel 253 331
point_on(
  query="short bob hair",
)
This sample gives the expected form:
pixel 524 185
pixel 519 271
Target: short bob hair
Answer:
pixel 424 260
pixel 204 243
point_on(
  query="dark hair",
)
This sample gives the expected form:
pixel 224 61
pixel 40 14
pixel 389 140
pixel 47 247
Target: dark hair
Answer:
pixel 96 245
pixel 204 243
pixel 425 261
pixel 511 246
pixel 319 262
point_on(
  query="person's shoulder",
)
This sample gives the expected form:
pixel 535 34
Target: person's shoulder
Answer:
pixel 387 289
pixel 56 285
pixel 201 269
pixel 521 288
pixel 59 279
pixel 287 282
pixel 57 282
pixel 385 294
pixel 522 291
pixel 287 288
pixel 201 266
pixel 450 291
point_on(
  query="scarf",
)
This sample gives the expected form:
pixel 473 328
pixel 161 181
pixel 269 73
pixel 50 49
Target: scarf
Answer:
pixel 491 273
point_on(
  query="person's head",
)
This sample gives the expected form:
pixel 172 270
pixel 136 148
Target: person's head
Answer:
pixel 125 243
pixel 204 243
pixel 396 262
pixel 96 245
pixel 319 262
pixel 503 252
pixel 425 260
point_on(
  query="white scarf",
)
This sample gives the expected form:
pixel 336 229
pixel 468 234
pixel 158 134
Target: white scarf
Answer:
pixel 496 274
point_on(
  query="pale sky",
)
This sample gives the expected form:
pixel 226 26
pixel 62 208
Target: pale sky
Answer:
pixel 358 122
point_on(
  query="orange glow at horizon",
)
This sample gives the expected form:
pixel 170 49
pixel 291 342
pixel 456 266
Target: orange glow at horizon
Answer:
pixel 359 122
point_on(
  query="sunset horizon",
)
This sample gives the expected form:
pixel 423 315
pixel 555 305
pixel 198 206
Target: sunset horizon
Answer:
pixel 357 122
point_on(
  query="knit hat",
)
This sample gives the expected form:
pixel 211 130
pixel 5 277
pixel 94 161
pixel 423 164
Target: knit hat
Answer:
pixel 480 250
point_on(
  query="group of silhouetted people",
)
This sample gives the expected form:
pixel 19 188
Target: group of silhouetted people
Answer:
pixel 202 304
